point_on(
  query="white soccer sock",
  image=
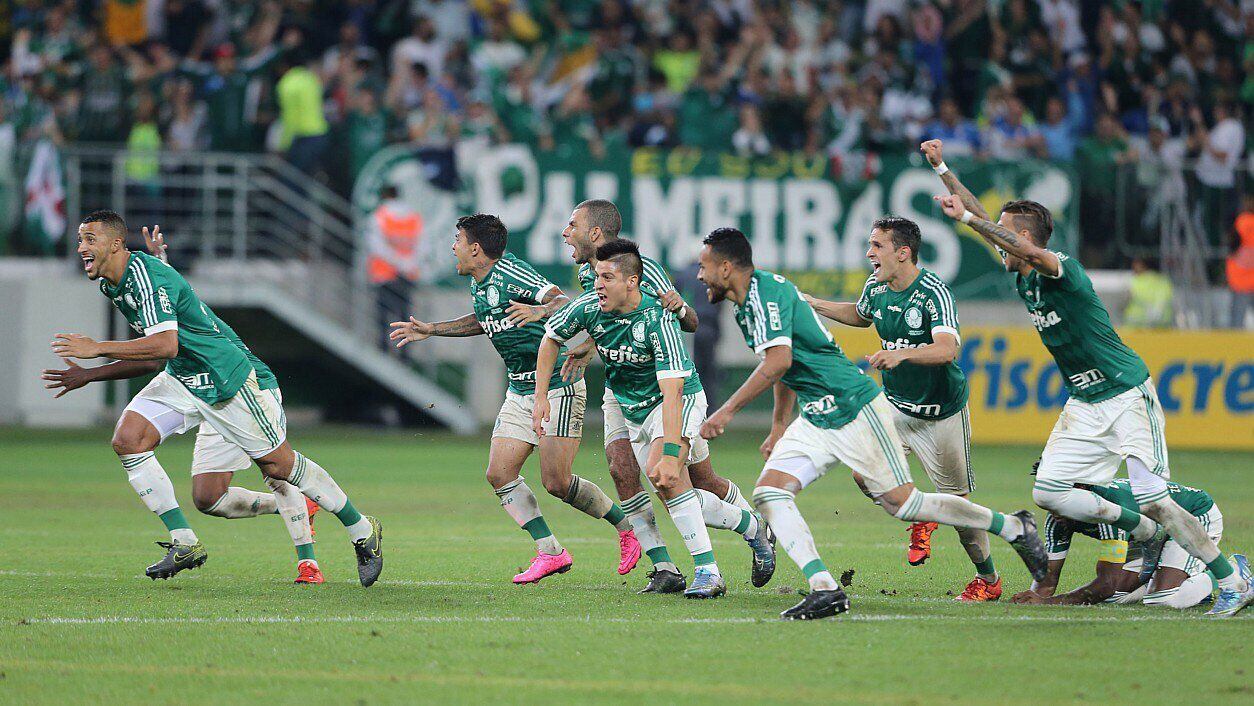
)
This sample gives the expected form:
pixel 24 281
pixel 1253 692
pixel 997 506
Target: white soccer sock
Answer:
pixel 723 515
pixel 1186 531
pixel 320 487
pixel 1194 590
pixel 1131 597
pixel 779 508
pixel 290 505
pixel 735 497
pixel 639 510
pixel 954 511
pixel 685 510
pixel 521 504
pixel 586 497
pixel 148 479
pixel 238 502
pixel 1087 506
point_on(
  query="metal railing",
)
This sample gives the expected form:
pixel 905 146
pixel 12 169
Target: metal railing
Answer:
pixel 234 216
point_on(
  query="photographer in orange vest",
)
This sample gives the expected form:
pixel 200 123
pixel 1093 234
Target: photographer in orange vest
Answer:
pixel 392 263
pixel 1240 265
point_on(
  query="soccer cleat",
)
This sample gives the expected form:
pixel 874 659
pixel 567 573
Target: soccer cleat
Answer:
pixel 308 573
pixel 311 509
pixel 763 567
pixel 1029 546
pixel 177 558
pixel 628 552
pixel 1151 551
pixel 980 590
pixel 370 554
pixel 545 565
pixel 818 604
pixel 1230 602
pixel 920 542
pixel 663 581
pixel 705 584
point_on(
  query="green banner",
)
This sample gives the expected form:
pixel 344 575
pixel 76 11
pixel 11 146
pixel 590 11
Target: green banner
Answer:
pixel 806 217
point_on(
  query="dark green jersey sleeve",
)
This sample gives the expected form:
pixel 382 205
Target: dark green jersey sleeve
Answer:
pixel 572 318
pixel 670 358
pixel 156 294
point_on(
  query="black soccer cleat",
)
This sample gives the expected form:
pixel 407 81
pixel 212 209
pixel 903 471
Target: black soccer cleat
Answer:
pixel 178 557
pixel 818 604
pixel 663 581
pixel 1151 551
pixel 370 554
pixel 1029 546
pixel 763 567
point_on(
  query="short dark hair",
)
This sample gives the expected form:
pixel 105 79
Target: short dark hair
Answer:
pixel 731 245
pixel 1036 219
pixel 604 215
pixel 903 232
pixel 624 254
pixel 486 230
pixel 111 220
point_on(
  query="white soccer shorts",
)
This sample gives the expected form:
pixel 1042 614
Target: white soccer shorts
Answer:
pixel 643 435
pixel 943 447
pixel 566 409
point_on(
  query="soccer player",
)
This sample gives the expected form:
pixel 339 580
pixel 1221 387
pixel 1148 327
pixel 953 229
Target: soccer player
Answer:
pixel 1113 414
pixel 207 379
pixel 917 322
pixel 660 395
pixel 594 223
pixel 1177 581
pixel 510 299
pixel 215 460
pixel 844 418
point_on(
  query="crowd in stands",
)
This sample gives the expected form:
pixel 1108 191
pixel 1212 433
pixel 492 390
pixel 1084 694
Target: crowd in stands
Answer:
pixel 1094 82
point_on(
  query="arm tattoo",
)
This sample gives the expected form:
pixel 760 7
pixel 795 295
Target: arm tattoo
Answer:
pixel 553 301
pixel 466 325
pixel 969 201
pixel 1003 238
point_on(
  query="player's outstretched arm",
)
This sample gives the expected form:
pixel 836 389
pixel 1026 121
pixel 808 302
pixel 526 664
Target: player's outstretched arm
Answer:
pixel 75 376
pixel 776 361
pixel 1103 586
pixel 932 149
pixel 841 312
pixel 1017 244
pixel 405 332
pixel 162 345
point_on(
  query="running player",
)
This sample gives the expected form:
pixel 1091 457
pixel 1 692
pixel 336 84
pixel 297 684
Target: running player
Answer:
pixel 1113 414
pixel 510 299
pixel 207 379
pixel 1178 580
pixel 844 418
pixel 661 398
pixel 215 460
pixel 594 223
pixel 917 322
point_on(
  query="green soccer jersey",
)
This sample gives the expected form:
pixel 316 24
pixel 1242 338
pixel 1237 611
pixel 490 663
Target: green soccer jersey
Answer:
pixel 1075 327
pixel 265 376
pixel 1057 540
pixel 154 298
pixel 513 280
pixel 653 282
pixel 830 388
pixel 639 348
pixel 908 319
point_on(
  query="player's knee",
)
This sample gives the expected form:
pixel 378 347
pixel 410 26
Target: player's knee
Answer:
pixel 129 440
pixel 557 485
pixel 1049 500
pixel 205 499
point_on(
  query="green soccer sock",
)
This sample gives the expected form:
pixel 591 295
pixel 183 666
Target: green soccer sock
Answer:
pixel 305 551
pixel 617 517
pixel 348 514
pixel 985 568
pixel 174 519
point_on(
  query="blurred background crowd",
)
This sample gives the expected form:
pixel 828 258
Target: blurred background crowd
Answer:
pixel 1109 86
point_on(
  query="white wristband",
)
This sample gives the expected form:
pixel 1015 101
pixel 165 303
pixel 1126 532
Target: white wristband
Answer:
pixel 966 217
pixel 683 311
pixel 941 168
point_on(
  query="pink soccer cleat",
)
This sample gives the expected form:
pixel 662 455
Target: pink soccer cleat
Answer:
pixel 628 552
pixel 545 565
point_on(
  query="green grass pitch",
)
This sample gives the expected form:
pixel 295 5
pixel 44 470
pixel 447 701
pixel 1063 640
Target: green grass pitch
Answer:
pixel 80 623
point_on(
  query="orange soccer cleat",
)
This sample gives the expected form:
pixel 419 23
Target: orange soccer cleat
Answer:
pixel 980 590
pixel 311 509
pixel 920 542
pixel 308 573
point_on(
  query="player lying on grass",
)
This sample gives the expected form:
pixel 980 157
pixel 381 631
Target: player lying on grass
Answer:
pixel 594 223
pixel 655 383
pixel 917 323
pixel 1177 581
pixel 207 378
pixel 215 460
pixel 844 418
pixel 509 299
pixel 1113 414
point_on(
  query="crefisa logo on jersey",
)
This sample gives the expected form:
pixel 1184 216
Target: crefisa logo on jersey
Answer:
pixel 914 318
pixel 493 295
pixel 637 331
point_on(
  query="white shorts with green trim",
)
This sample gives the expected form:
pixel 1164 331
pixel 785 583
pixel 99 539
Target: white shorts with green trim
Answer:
pixel 1175 557
pixel 643 435
pixel 214 454
pixel 566 408
pixel 1091 439
pixel 943 447
pixel 251 421
pixel 868 445
pixel 615 422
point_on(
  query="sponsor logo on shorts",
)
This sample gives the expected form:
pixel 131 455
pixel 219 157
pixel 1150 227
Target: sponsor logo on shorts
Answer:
pixel 199 381
pixel 923 410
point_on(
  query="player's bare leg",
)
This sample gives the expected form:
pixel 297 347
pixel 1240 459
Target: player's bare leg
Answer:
pixel 557 456
pixel 505 461
pixel 365 532
pixel 636 504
